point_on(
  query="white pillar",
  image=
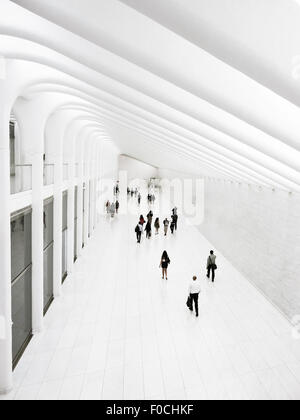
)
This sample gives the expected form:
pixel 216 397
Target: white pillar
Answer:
pixel 57 221
pixel 71 214
pixel 80 198
pixel 37 233
pixel 32 123
pixel 87 204
pixel 6 382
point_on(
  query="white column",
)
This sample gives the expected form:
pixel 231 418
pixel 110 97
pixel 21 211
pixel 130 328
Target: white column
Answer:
pixel 32 123
pixel 80 198
pixel 87 204
pixel 5 250
pixel 37 231
pixel 57 221
pixel 71 215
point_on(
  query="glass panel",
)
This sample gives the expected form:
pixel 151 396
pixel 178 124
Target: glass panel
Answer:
pixel 48 276
pixel 21 312
pixel 48 174
pixel 83 224
pixel 64 254
pixel 21 179
pixel 48 223
pixel 75 223
pixel 12 138
pixel 65 171
pixel 90 221
pixel 65 211
pixel 20 243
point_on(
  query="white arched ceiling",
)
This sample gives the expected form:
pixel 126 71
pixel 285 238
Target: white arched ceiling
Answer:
pixel 161 95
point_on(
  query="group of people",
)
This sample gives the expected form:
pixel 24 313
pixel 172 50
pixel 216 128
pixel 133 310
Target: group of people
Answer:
pixel 112 208
pixel 151 198
pixel 195 285
pixel 148 228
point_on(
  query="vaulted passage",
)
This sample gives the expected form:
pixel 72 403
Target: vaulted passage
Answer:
pixel 196 104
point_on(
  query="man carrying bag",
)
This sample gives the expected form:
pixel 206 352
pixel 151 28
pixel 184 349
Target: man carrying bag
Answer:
pixel 194 291
pixel 211 266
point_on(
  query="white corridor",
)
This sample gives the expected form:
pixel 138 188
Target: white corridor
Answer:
pixel 120 332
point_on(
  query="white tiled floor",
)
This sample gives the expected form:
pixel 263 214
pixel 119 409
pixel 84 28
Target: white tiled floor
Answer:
pixel 120 332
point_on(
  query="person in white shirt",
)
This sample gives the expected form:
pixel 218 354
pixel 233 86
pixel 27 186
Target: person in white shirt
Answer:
pixel 195 290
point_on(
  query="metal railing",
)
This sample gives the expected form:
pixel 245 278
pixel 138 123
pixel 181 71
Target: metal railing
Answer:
pixel 48 174
pixel 21 179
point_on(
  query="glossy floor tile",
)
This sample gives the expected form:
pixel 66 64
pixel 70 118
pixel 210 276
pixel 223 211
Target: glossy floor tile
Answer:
pixel 121 332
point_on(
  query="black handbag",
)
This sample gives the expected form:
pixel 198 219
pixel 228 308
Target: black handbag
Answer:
pixel 189 302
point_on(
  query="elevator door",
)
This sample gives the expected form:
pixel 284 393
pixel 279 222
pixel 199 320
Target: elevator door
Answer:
pixel 65 237
pixel 75 223
pixel 21 271
pixel 48 254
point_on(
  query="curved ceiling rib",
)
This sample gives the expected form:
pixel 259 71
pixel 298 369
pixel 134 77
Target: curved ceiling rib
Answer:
pixel 157 91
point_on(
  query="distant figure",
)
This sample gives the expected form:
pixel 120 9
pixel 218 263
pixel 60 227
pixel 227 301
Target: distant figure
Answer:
pixel 112 210
pixel 148 230
pixel 175 220
pixel 166 226
pixel 157 226
pixel 150 217
pixel 195 290
pixel 117 206
pixel 139 231
pixel 164 264
pixel 172 227
pixel 107 205
pixel 139 199
pixel 211 266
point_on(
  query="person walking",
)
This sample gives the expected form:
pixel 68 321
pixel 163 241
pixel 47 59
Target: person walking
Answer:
pixel 112 210
pixel 194 291
pixel 139 199
pixel 138 231
pixel 166 226
pixel 150 217
pixel 107 205
pixel 148 230
pixel 172 226
pixel 117 206
pixel 211 266
pixel 142 220
pixel 157 226
pixel 175 220
pixel 164 264
pixel 175 211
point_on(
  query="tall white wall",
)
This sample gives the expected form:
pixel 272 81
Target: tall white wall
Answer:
pixel 258 230
pixel 110 162
pixel 136 169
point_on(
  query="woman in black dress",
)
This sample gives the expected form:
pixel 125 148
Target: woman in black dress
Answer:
pixel 164 264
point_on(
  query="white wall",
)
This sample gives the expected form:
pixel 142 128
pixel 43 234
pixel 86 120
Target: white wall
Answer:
pixel 136 169
pixel 259 232
pixel 110 162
